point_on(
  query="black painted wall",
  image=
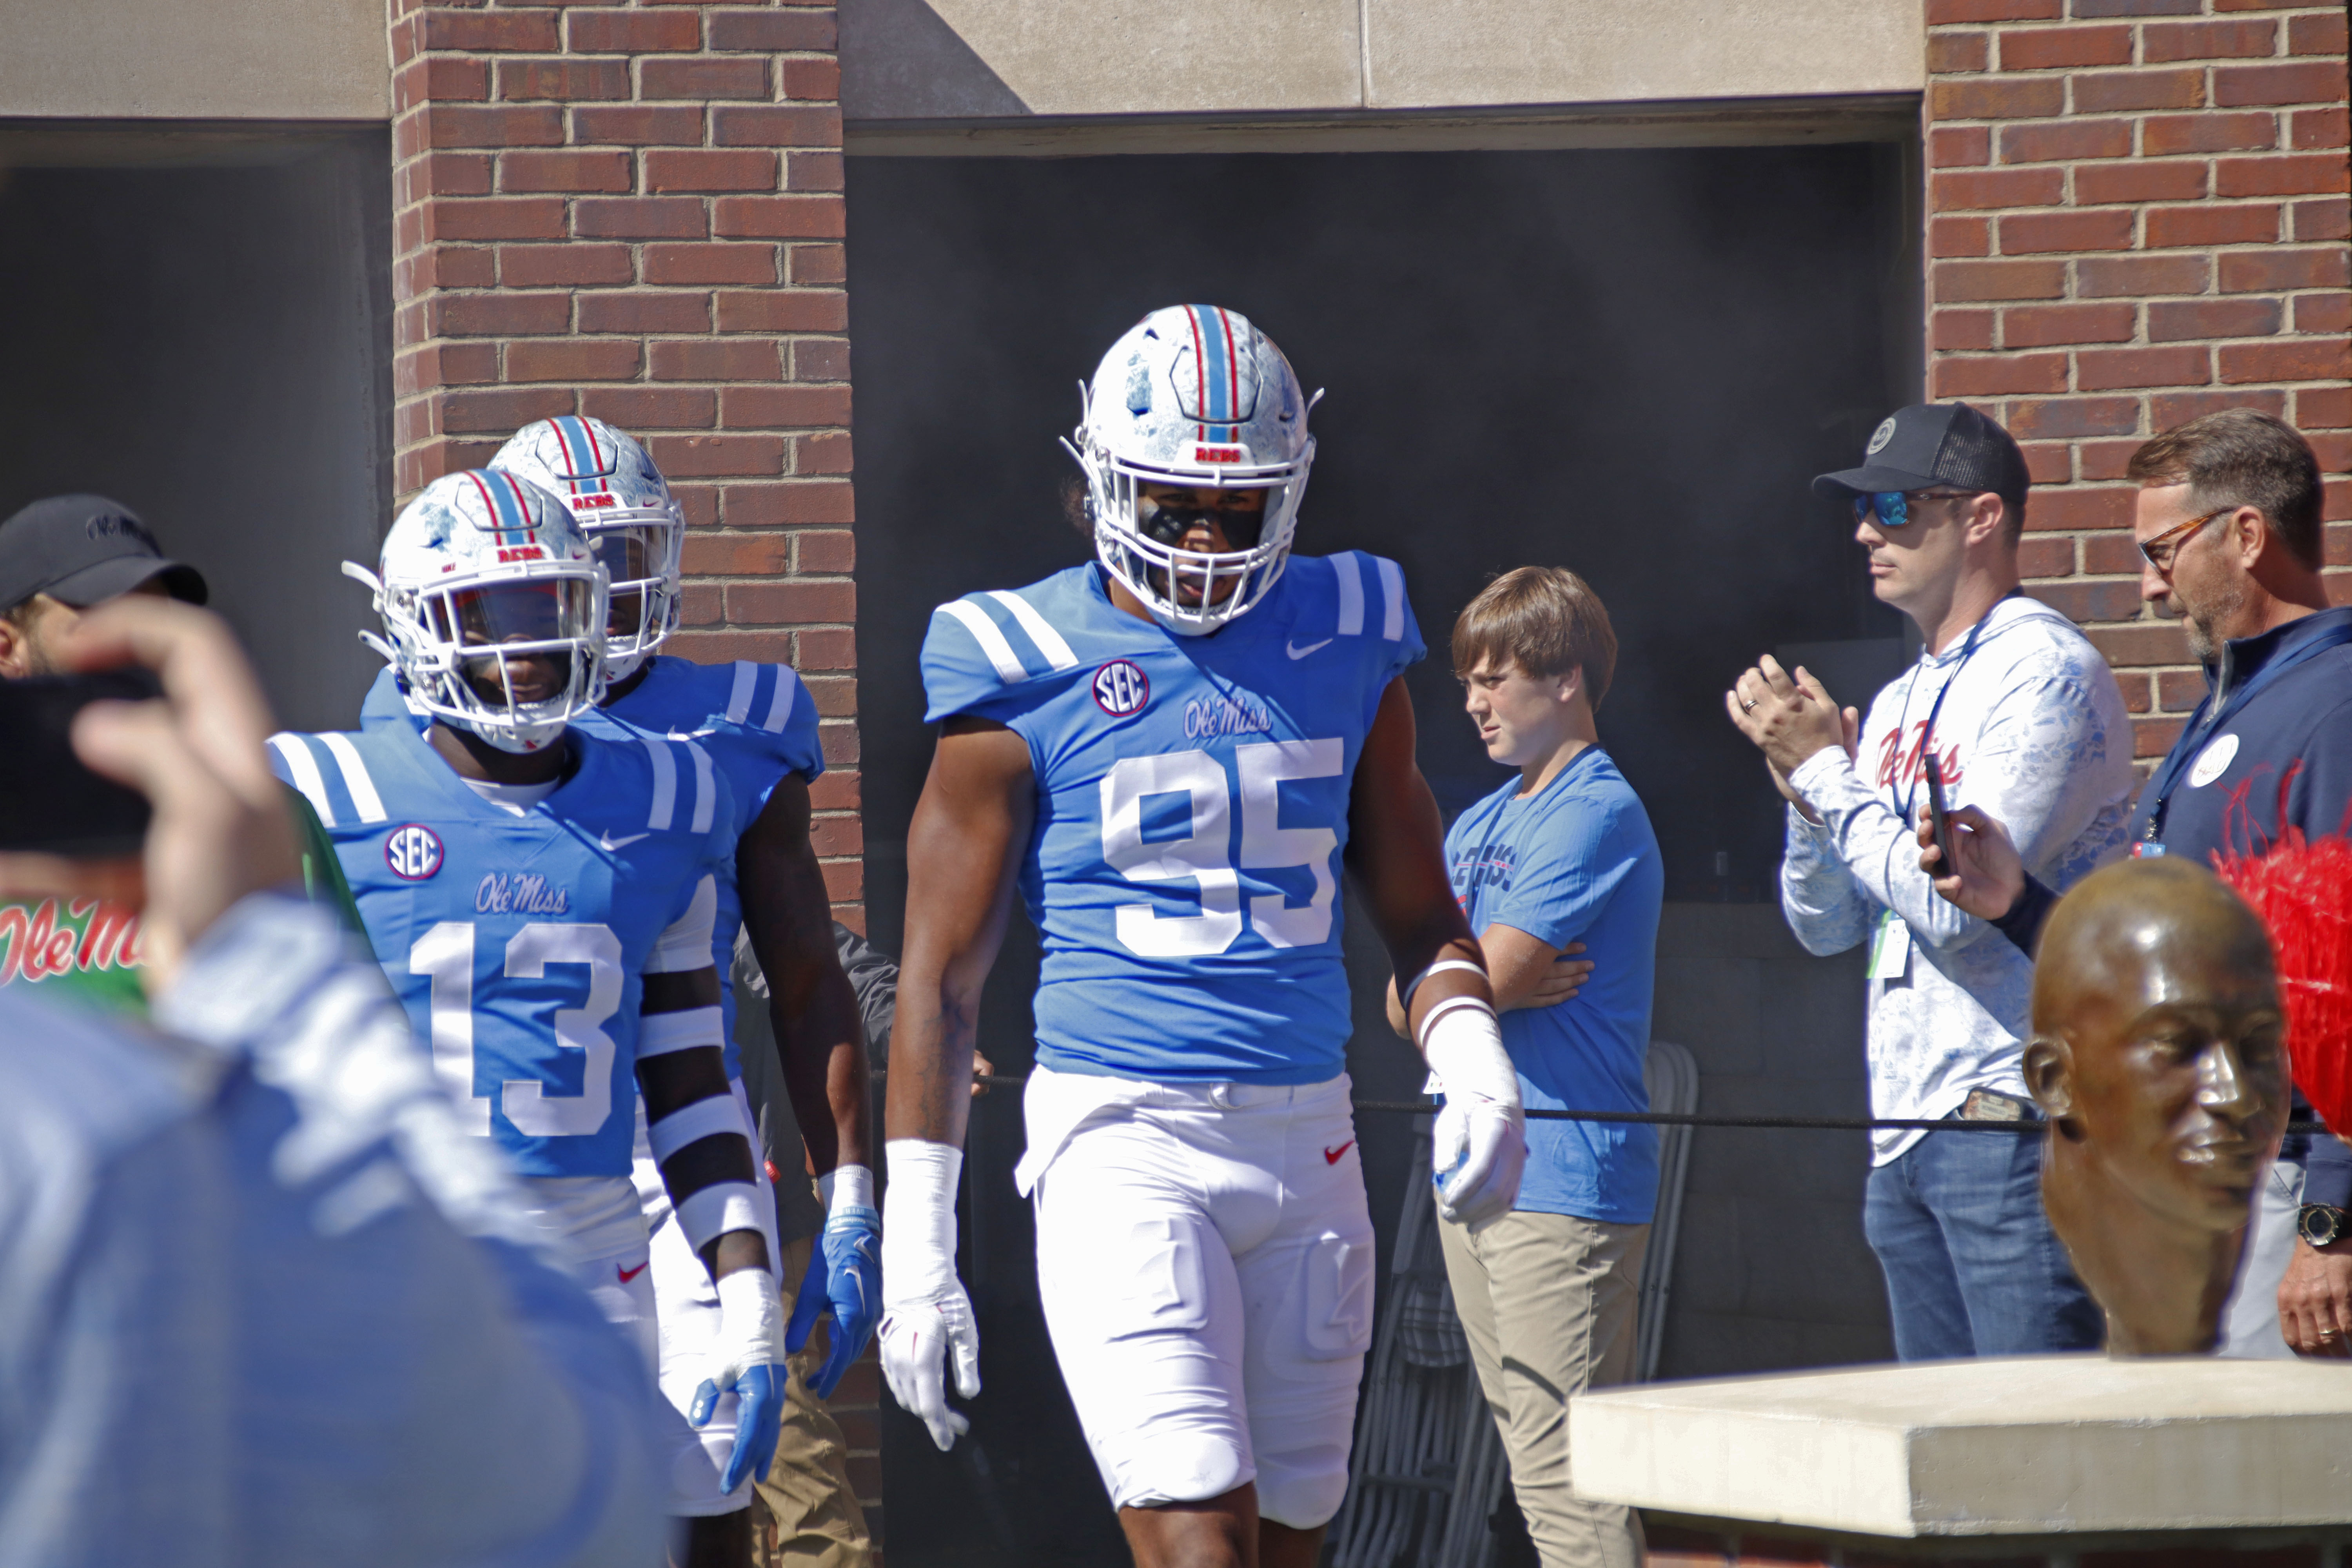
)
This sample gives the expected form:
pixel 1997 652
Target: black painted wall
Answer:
pixel 1627 362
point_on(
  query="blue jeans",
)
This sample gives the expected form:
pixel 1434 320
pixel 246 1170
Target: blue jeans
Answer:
pixel 1973 1266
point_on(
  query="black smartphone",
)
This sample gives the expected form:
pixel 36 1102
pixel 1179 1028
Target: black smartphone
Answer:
pixel 1937 816
pixel 49 802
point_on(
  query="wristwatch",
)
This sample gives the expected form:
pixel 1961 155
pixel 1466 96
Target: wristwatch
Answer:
pixel 2320 1224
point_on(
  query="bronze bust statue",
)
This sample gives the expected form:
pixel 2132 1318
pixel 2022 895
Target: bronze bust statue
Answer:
pixel 2158 1054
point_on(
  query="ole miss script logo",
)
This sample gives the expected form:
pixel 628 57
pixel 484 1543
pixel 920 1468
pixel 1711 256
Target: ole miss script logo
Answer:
pixel 413 852
pixel 1121 689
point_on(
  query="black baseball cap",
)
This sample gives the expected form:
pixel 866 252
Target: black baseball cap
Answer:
pixel 84 550
pixel 1932 444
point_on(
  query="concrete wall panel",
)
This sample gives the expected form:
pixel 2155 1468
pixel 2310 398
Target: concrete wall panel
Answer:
pixel 1421 54
pixel 910 59
pixel 220 59
pixel 984 60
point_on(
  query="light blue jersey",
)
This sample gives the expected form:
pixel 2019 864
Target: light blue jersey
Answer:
pixel 1576 861
pixel 1192 810
pixel 757 721
pixel 518 944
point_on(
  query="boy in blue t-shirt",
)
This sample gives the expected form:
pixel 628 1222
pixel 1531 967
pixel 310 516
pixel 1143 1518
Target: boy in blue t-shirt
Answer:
pixel 1563 853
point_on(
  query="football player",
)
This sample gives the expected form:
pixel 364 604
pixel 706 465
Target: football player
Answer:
pixel 544 899
pixel 1171 751
pixel 759 726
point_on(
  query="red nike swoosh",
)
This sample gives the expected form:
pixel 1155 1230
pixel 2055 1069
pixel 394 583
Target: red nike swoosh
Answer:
pixel 629 1274
pixel 1332 1156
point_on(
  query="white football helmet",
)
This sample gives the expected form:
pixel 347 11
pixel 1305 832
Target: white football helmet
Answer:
pixel 623 504
pixel 1192 395
pixel 484 569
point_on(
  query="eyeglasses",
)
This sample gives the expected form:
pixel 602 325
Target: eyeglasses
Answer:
pixel 1893 508
pixel 2160 549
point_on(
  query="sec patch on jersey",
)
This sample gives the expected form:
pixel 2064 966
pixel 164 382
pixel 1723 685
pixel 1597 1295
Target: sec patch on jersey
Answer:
pixel 1121 689
pixel 412 851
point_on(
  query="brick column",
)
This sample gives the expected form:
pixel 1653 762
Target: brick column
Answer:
pixel 2136 213
pixel 632 209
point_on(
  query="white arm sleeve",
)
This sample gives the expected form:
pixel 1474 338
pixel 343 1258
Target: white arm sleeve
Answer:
pixel 686 946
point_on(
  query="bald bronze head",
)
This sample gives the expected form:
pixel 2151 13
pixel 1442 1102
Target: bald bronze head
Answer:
pixel 2158 1054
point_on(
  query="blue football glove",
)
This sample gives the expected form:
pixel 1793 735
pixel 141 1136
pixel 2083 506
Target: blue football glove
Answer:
pixel 751 1367
pixel 848 1285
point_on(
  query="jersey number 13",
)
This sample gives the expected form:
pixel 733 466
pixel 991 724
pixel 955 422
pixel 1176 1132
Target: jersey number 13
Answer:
pixel 445 955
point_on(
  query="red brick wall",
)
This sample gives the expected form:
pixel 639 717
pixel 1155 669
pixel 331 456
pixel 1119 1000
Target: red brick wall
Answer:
pixel 632 209
pixel 2136 213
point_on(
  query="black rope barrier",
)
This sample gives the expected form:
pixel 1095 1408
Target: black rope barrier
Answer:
pixel 1694 1118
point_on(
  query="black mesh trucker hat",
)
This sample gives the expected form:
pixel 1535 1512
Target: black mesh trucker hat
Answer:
pixel 1933 444
pixel 83 549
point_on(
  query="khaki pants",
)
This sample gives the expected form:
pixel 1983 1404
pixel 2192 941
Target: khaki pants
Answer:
pixel 1549 1303
pixel 811 1511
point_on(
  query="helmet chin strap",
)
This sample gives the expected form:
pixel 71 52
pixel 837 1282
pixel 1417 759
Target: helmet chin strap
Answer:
pixel 620 666
pixel 518 741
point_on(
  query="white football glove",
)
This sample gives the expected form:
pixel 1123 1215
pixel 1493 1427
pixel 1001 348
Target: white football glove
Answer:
pixel 926 1316
pixel 1479 1145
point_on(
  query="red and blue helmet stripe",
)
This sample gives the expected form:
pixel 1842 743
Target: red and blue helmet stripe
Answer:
pixel 1217 367
pixel 502 496
pixel 585 463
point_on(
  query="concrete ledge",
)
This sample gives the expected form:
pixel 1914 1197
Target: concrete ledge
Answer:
pixel 2024 1446
pixel 1686 122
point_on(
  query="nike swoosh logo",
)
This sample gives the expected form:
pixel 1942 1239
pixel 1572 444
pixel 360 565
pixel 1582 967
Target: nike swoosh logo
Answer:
pixel 629 1274
pixel 1295 651
pixel 613 844
pixel 1332 1156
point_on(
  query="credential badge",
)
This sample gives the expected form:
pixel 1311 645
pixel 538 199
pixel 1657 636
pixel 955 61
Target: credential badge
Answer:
pixel 1121 689
pixel 413 852
pixel 1880 437
pixel 2213 762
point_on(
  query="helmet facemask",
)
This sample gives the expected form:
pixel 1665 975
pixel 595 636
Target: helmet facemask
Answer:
pixel 640 555
pixel 1158 572
pixel 460 645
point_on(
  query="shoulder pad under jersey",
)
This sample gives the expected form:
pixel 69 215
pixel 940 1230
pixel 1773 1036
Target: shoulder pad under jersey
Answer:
pixel 983 649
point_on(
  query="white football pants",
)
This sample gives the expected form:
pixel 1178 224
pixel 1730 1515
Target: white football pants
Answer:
pixel 1205 1259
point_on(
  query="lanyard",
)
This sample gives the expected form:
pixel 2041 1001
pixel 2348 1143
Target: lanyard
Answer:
pixel 2193 734
pixel 1928 733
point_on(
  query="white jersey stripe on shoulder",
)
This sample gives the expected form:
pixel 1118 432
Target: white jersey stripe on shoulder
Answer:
pixel 356 783
pixel 1351 592
pixel 307 777
pixel 665 805
pixel 787 697
pixel 706 789
pixel 1391 599
pixel 990 640
pixel 1040 630
pixel 739 700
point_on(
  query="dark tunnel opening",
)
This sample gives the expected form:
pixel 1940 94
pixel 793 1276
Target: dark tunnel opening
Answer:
pixel 1628 363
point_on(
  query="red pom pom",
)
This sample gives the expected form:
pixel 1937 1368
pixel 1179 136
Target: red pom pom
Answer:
pixel 2303 890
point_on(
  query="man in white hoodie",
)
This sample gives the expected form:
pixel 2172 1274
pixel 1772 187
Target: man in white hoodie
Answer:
pixel 2016 708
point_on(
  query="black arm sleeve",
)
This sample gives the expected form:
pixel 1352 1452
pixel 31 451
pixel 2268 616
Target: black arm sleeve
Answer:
pixel 2022 925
